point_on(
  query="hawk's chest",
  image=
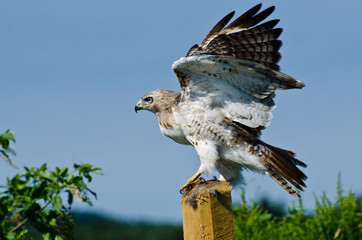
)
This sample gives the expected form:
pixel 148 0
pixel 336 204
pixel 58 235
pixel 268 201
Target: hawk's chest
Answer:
pixel 171 128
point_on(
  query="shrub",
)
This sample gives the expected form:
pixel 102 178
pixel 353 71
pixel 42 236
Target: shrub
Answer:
pixel 341 219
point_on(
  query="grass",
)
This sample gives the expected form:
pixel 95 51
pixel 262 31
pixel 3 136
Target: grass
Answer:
pixel 341 219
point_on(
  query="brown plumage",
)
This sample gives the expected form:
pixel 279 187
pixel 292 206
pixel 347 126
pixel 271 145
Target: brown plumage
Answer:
pixel 226 100
pixel 239 40
pixel 281 163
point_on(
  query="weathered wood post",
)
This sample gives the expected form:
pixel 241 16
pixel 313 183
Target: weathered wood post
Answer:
pixel 207 212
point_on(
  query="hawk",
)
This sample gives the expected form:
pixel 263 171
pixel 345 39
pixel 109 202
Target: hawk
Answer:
pixel 227 89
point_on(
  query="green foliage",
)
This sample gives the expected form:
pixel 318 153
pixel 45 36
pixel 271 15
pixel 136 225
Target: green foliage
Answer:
pixel 48 237
pixel 35 198
pixel 5 150
pixel 341 219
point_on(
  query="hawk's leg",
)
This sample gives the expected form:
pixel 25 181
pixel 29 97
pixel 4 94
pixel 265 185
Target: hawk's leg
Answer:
pixel 207 151
pixel 191 181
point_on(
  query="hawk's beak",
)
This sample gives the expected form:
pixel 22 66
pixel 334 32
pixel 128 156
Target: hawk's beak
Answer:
pixel 137 108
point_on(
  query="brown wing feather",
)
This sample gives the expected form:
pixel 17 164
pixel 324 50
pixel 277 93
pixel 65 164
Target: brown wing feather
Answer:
pixel 217 28
pixel 257 18
pixel 259 44
pixel 244 17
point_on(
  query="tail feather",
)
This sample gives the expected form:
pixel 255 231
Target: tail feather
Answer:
pixel 282 168
pixel 285 171
pixel 281 181
pixel 291 155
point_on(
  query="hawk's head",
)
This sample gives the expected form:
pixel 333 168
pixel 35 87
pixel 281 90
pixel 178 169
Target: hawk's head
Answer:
pixel 157 101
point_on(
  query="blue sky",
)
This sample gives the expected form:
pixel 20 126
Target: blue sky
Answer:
pixel 72 71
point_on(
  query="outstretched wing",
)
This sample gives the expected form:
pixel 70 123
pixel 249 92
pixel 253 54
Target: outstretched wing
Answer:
pixel 259 44
pixel 235 69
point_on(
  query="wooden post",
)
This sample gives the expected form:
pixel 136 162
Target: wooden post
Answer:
pixel 207 212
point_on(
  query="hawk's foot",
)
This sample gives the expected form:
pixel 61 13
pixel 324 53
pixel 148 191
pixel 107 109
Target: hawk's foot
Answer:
pixel 192 182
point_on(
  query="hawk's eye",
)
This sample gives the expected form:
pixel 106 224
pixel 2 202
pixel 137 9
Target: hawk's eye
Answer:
pixel 148 100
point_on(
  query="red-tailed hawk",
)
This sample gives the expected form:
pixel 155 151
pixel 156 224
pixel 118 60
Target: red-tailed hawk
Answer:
pixel 227 89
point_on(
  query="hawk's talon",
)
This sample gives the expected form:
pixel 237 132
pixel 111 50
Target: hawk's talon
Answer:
pixel 188 186
pixel 192 182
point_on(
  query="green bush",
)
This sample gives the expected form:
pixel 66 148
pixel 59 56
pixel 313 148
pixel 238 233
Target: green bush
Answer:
pixel 341 219
pixel 34 198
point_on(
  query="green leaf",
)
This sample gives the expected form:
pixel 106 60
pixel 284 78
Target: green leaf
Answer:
pixel 265 216
pixel 8 135
pixel 4 153
pixel 46 236
pixel 57 203
pixel 93 193
pixel 47 175
pixel 70 198
pixel 10 235
pixel 5 139
pixel 18 235
pixel 63 172
pixel 70 180
pixel 53 222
